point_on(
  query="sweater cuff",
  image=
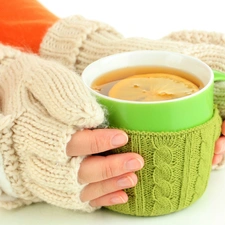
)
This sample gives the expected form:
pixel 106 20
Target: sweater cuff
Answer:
pixel 63 41
pixel 38 175
pixel 57 184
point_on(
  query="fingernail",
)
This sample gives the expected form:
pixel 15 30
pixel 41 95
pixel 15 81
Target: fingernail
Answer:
pixel 117 200
pixel 119 139
pixel 134 164
pixel 125 182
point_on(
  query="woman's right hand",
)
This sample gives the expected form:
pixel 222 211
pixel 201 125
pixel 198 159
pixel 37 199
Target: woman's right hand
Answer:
pixel 105 176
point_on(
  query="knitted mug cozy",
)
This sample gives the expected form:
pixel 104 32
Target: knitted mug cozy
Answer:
pixel 176 171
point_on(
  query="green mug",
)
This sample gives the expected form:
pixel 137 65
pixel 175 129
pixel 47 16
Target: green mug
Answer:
pixel 175 137
pixel 187 112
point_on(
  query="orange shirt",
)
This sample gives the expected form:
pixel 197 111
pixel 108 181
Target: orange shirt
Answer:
pixel 23 23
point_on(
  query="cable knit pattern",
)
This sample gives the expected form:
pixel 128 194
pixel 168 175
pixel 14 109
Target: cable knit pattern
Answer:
pixel 76 42
pixel 46 103
pixel 176 171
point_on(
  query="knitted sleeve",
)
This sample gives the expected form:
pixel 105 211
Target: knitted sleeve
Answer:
pixel 42 105
pixel 76 42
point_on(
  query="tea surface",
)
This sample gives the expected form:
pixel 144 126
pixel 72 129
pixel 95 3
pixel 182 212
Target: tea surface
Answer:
pixel 147 84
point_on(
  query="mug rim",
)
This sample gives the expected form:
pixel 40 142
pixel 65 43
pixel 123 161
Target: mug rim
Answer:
pixel 115 56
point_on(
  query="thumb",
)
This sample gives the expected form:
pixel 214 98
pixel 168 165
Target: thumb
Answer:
pixel 64 95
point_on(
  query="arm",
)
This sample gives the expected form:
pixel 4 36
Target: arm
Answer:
pixel 44 107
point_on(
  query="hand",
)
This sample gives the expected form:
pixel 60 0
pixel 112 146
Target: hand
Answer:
pixel 105 176
pixel 219 152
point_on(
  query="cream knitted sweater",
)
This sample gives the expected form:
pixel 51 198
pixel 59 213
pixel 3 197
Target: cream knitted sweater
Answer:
pixel 43 103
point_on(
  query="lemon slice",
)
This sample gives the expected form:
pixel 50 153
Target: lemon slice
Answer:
pixel 152 87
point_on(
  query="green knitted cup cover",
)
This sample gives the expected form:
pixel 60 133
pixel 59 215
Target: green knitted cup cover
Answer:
pixel 176 171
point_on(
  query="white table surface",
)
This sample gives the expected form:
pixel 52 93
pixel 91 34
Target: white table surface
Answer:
pixel 151 19
pixel 208 210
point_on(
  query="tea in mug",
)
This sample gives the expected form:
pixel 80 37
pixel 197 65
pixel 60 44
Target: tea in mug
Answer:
pixel 147 84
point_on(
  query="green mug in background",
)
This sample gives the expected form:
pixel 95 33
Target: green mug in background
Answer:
pixel 175 137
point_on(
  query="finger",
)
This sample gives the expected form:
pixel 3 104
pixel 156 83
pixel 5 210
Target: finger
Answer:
pixel 89 142
pixel 118 197
pixel 223 128
pixel 106 167
pixel 220 145
pixel 99 189
pixel 217 159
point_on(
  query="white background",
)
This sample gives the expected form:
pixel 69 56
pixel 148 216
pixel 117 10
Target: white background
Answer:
pixel 150 19
pixel 146 18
